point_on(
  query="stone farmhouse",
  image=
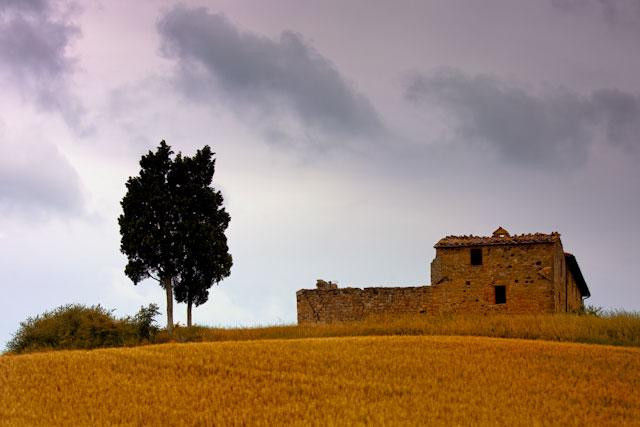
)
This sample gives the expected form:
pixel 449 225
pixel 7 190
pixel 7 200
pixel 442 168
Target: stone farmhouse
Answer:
pixel 527 273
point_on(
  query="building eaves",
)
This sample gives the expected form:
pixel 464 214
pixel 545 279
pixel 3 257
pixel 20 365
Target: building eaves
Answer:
pixel 574 268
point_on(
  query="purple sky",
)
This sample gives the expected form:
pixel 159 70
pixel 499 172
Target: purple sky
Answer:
pixel 350 137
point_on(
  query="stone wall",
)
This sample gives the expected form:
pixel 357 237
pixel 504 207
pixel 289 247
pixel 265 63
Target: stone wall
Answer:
pixel 535 278
pixel 574 303
pixel 348 304
pixel 526 271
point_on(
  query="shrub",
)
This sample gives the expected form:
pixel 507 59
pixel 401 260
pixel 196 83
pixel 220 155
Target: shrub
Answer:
pixel 591 310
pixel 75 326
pixel 145 322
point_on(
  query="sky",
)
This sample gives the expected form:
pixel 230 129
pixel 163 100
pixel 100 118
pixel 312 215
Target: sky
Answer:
pixel 349 137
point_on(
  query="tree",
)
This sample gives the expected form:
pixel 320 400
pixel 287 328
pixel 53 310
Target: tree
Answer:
pixel 201 228
pixel 147 225
pixel 162 225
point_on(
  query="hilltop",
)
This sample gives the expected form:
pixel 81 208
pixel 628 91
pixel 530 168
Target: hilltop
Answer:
pixel 381 380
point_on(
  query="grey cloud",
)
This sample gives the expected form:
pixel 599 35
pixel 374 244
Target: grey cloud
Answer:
pixel 36 179
pixel 33 54
pixel 25 5
pixel 252 72
pixel 615 12
pixel 551 129
pixel 620 114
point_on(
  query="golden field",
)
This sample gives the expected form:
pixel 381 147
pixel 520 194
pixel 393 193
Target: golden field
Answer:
pixel 349 380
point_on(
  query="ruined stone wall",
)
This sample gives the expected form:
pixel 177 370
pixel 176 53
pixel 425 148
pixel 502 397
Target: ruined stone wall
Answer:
pixel 535 278
pixel 348 304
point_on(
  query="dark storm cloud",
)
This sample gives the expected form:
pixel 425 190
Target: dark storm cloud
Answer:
pixel 253 72
pixel 551 129
pixel 33 54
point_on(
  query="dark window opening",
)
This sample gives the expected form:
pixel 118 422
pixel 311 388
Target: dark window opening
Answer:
pixel 476 256
pixel 501 294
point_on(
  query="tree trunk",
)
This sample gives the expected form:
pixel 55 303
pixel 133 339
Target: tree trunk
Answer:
pixel 168 287
pixel 189 306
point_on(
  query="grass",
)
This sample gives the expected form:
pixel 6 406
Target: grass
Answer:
pixel 618 328
pixel 411 380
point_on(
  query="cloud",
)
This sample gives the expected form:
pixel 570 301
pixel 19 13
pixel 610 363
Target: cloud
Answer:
pixel 24 5
pixel 285 80
pixel 615 12
pixel 37 180
pixel 620 114
pixel 34 38
pixel 551 129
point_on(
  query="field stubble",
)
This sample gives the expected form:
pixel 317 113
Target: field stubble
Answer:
pixel 382 380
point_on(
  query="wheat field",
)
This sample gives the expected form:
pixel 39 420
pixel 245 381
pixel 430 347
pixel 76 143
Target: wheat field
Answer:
pixel 329 381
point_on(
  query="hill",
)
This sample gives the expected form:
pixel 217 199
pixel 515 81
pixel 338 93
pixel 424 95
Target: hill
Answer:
pixel 616 328
pixel 383 379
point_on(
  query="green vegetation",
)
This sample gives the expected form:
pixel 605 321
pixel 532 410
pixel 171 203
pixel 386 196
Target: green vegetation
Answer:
pixel 74 326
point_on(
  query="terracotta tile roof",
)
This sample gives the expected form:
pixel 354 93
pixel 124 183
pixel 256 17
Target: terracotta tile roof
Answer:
pixel 460 241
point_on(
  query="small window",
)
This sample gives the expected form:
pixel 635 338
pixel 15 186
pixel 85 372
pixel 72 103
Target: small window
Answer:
pixel 501 294
pixel 476 256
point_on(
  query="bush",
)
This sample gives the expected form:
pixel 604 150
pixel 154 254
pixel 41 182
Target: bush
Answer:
pixel 75 326
pixel 591 310
pixel 145 322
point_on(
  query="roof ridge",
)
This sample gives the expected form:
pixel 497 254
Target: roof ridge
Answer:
pixel 470 240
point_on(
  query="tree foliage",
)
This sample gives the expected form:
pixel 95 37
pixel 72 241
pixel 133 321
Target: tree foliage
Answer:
pixel 173 226
pixel 201 228
pixel 148 220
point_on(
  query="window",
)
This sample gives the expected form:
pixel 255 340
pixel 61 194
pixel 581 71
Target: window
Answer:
pixel 501 294
pixel 476 256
